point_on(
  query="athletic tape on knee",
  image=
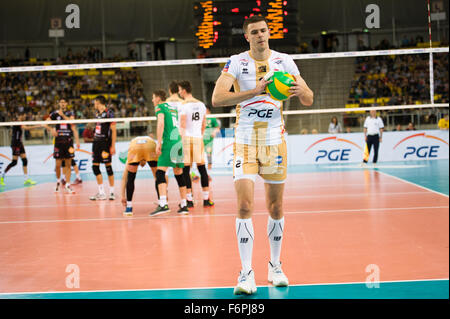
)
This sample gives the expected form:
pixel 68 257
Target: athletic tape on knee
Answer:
pixel 203 175
pixel 24 161
pixel 109 170
pixel 96 169
pixel 73 162
pixel 13 163
pixel 180 180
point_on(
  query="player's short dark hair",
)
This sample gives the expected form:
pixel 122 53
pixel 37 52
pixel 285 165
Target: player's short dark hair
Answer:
pixel 173 87
pixel 161 94
pixel 185 85
pixel 253 19
pixel 101 99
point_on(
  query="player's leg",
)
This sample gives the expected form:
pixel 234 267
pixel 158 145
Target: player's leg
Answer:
pixel 67 173
pixel 130 171
pixel 273 170
pixel 275 229
pixel 27 179
pixel 204 180
pixel 245 235
pixel 188 182
pixel 178 172
pixel 153 166
pixel 163 206
pixel 245 169
pixel 110 173
pixel 187 154
pixel 58 164
pixel 77 172
pixel 96 160
pixel 10 165
pixel 98 176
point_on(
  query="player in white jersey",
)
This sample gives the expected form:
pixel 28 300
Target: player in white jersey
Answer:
pixel 192 128
pixel 259 147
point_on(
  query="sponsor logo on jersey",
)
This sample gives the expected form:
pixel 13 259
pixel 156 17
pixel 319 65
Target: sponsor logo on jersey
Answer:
pixel 227 65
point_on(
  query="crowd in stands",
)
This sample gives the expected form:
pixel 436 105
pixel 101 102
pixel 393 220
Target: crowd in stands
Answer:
pixel 400 79
pixel 36 93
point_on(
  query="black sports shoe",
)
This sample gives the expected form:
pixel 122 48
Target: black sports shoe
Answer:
pixel 190 203
pixel 208 203
pixel 183 210
pixel 160 210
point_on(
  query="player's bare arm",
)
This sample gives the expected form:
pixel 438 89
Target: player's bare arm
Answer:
pixel 159 133
pixel 223 97
pixel 76 135
pixel 113 138
pixel 203 125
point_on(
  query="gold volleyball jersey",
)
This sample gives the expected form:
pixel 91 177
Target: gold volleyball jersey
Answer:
pixel 142 148
pixel 259 120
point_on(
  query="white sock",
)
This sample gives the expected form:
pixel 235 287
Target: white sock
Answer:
pixel 101 189
pixel 189 196
pixel 205 195
pixel 26 176
pixel 129 204
pixel 78 176
pixel 245 235
pixel 275 229
pixel 162 201
pixel 111 189
pixel 183 203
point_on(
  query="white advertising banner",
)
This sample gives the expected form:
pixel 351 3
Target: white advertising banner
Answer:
pixel 349 148
pixel 302 149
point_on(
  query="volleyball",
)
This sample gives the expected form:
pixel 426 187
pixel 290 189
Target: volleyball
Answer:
pixel 279 87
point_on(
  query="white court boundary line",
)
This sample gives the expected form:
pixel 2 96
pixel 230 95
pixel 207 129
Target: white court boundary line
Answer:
pixel 222 199
pixel 233 214
pixel 412 183
pixel 222 287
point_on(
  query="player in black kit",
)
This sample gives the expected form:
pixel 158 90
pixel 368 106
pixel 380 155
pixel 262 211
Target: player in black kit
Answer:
pixel 63 150
pixel 103 148
pixel 18 150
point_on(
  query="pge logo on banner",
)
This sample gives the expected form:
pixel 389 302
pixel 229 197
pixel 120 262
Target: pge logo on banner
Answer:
pixel 414 150
pixel 333 153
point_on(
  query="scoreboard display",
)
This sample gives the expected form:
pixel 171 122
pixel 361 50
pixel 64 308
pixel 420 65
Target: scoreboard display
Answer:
pixel 218 23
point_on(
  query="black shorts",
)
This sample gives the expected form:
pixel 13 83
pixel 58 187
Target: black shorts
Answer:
pixel 101 152
pixel 17 149
pixel 63 148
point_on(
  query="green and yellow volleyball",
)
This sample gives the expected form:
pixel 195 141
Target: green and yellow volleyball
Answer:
pixel 279 87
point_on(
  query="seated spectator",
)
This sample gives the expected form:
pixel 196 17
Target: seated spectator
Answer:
pixel 443 123
pixel 334 126
pixel 410 127
pixel 314 131
pixel 398 128
pixel 304 131
pixel 88 133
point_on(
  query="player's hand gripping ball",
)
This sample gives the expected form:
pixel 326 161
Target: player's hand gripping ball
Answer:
pixel 279 87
